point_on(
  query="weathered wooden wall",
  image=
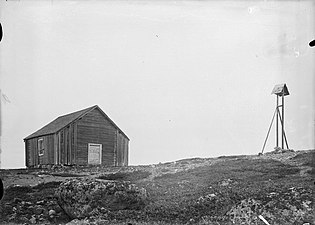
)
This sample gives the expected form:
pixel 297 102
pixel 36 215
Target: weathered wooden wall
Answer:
pixel 95 128
pixel 49 149
pixel 31 152
pixel 122 150
pixel 65 145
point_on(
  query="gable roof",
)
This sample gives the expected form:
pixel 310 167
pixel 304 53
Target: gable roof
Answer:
pixel 65 120
pixel 280 89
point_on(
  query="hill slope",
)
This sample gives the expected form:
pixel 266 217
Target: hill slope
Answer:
pixel 224 190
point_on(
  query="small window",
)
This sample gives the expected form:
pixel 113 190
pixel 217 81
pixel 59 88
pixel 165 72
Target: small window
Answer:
pixel 40 147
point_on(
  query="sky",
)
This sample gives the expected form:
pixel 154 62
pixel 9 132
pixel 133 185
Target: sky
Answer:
pixel 181 78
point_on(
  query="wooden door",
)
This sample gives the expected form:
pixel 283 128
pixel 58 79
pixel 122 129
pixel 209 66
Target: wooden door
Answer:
pixel 94 153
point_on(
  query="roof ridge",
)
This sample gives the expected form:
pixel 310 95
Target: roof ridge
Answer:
pixel 84 111
pixel 77 111
pixel 62 121
pixel 46 129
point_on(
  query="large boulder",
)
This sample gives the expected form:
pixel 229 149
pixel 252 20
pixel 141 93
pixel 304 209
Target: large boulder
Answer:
pixel 80 198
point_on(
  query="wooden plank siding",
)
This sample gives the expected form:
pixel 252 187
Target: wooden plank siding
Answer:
pixel 119 149
pixel 30 153
pixel 67 150
pixel 126 152
pixel 72 156
pixel 49 149
pixel 115 147
pixel 32 157
pixel 122 150
pixel 26 154
pixel 75 142
pixel 65 146
pixel 55 149
pixel 59 147
pixel 32 149
pixel 95 128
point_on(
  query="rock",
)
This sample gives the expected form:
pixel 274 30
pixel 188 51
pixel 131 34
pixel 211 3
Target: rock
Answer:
pixel 50 203
pixel 24 219
pixel 33 219
pixel 8 207
pixel 38 210
pixel 42 202
pixel 58 209
pixel 78 198
pixel 212 195
pixel 101 222
pixel 51 212
pixel 17 200
pixel 226 182
pixel 12 217
pixel 78 222
pixel 45 211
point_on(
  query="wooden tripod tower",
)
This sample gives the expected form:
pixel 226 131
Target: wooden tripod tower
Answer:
pixel 280 90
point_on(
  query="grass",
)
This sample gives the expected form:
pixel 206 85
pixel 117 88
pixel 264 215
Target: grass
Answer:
pixel 60 174
pixel 126 176
pixel 175 196
pixel 67 175
pixel 46 190
pixel 205 194
pixel 231 156
pixel 307 159
pixel 20 192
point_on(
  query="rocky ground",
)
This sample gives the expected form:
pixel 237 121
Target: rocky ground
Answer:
pixel 277 187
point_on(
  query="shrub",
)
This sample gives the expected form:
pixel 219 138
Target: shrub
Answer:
pixel 80 198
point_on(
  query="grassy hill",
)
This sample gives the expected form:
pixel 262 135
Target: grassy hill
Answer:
pixel 223 190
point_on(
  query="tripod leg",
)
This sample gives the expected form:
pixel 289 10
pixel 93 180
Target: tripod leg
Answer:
pixel 282 142
pixel 277 124
pixel 285 137
pixel 273 117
